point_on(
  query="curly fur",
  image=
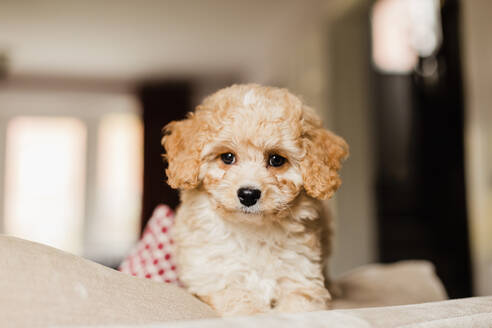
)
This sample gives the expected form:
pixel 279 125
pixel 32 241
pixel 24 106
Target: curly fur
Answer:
pixel 267 257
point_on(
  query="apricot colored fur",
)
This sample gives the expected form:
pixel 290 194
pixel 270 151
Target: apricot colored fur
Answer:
pixel 266 257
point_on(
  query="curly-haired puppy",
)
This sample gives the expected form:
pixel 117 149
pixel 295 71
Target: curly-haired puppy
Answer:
pixel 252 164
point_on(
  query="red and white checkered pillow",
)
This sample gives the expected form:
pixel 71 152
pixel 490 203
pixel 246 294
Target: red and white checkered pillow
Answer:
pixel 153 256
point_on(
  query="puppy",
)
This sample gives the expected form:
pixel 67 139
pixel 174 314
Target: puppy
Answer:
pixel 252 164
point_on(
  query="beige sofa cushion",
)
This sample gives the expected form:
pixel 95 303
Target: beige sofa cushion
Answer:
pixel 42 286
pixel 463 313
pixel 405 282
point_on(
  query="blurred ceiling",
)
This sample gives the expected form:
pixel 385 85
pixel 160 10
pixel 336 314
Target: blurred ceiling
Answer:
pixel 129 40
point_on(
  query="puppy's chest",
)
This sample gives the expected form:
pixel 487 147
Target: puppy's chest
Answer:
pixel 264 251
pixel 234 250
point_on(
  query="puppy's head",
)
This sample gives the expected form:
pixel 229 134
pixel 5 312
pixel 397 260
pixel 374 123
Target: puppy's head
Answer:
pixel 253 149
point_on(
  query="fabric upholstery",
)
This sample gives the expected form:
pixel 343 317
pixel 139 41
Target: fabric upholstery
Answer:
pixel 153 256
pixel 405 282
pixel 463 313
pixel 41 286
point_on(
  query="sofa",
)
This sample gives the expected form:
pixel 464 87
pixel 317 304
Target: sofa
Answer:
pixel 45 287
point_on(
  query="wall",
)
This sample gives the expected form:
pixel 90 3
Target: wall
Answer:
pixel 350 102
pixel 330 69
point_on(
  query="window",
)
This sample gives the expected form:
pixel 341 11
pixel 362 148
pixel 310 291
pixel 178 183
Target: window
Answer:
pixel 115 225
pixel 44 180
pixel 71 170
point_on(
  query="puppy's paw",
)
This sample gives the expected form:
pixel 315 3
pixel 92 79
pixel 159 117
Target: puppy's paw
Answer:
pixel 306 301
pixel 236 302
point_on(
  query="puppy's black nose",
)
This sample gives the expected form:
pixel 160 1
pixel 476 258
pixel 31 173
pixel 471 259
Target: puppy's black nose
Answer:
pixel 248 196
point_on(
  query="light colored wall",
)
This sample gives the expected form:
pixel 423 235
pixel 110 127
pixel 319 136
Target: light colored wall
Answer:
pixel 330 69
pixel 477 65
pixel 350 103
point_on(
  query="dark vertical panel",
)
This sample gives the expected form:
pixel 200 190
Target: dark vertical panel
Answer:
pixel 162 102
pixel 440 110
pixel 421 184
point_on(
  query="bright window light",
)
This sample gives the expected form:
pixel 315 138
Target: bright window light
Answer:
pixel 392 51
pixel 116 224
pixel 403 30
pixel 45 180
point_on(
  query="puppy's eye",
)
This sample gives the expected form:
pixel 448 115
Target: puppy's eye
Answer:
pixel 276 160
pixel 228 158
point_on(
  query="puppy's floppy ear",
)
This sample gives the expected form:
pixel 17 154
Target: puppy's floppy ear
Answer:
pixel 181 142
pixel 325 152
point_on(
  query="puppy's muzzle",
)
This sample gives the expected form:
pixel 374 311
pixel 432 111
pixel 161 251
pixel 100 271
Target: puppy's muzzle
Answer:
pixel 248 196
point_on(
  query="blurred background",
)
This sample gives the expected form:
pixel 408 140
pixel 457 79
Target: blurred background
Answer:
pixel 86 86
